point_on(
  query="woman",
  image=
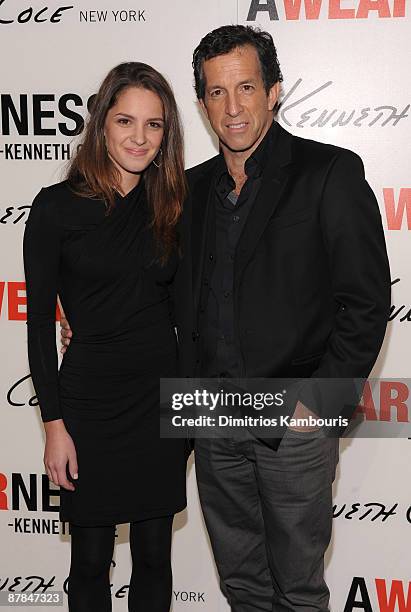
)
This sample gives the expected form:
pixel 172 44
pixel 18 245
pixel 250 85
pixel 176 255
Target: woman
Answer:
pixel 104 240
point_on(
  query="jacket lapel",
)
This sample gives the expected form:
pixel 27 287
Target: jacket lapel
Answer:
pixel 274 180
pixel 201 225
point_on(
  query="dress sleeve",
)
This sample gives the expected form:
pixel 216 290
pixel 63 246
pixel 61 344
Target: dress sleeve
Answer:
pixel 41 250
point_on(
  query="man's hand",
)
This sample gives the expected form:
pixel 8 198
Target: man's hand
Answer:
pixel 65 333
pixel 302 412
pixel 59 452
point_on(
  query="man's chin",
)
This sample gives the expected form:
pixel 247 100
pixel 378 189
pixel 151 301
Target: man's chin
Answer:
pixel 237 147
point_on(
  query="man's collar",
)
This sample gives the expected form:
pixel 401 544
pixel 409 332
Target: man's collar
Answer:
pixel 260 155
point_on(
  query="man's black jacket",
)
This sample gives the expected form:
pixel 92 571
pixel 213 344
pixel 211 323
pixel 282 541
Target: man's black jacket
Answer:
pixel 312 281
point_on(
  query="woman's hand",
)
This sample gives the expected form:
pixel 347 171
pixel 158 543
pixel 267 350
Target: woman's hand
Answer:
pixel 59 452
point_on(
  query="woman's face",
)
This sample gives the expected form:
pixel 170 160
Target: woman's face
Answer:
pixel 133 131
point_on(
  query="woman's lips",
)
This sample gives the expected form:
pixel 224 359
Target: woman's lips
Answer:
pixel 137 152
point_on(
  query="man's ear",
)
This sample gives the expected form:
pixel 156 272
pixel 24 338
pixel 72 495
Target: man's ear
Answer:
pixel 203 107
pixel 273 95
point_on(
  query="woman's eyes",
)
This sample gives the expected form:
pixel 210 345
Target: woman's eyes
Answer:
pixel 152 124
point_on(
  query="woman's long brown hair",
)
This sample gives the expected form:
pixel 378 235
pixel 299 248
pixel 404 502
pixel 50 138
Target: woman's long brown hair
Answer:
pixel 92 174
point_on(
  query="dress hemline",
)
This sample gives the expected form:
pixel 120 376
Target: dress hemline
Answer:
pixel 123 518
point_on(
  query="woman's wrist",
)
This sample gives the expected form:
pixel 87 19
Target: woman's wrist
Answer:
pixel 54 426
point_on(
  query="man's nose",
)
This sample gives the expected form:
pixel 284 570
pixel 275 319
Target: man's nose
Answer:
pixel 233 104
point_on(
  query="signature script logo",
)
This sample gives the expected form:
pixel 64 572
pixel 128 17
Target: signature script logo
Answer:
pixel 15 214
pixel 293 112
pixel 21 393
pixel 38 15
pixel 402 312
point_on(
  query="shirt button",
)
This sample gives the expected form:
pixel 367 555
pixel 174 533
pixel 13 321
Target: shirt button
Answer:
pixel 227 294
pixel 236 218
pixel 211 257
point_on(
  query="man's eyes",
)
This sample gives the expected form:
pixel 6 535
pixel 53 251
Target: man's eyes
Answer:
pixel 215 93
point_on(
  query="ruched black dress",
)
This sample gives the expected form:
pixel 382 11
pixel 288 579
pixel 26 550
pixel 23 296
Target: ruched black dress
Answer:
pixel 116 298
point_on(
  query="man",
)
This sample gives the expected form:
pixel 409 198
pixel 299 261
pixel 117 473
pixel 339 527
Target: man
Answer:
pixel 284 274
pixel 286 262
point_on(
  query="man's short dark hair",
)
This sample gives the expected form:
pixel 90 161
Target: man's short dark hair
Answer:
pixel 229 37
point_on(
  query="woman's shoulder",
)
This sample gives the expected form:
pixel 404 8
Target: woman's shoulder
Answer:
pixel 47 200
pixel 53 196
pixel 61 201
pixel 58 194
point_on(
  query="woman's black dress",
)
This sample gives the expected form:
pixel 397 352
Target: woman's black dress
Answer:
pixel 116 300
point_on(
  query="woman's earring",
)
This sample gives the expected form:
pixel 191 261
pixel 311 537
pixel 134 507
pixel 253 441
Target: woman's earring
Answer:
pixel 154 161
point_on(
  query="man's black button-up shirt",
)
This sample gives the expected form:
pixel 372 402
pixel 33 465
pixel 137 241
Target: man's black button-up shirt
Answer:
pixel 221 355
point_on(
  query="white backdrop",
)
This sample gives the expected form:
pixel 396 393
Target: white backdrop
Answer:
pixel 346 69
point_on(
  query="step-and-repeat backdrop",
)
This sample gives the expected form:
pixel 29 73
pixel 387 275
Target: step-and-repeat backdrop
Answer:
pixel 346 69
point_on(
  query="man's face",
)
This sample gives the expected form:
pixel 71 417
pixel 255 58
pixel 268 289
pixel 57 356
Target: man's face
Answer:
pixel 235 101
